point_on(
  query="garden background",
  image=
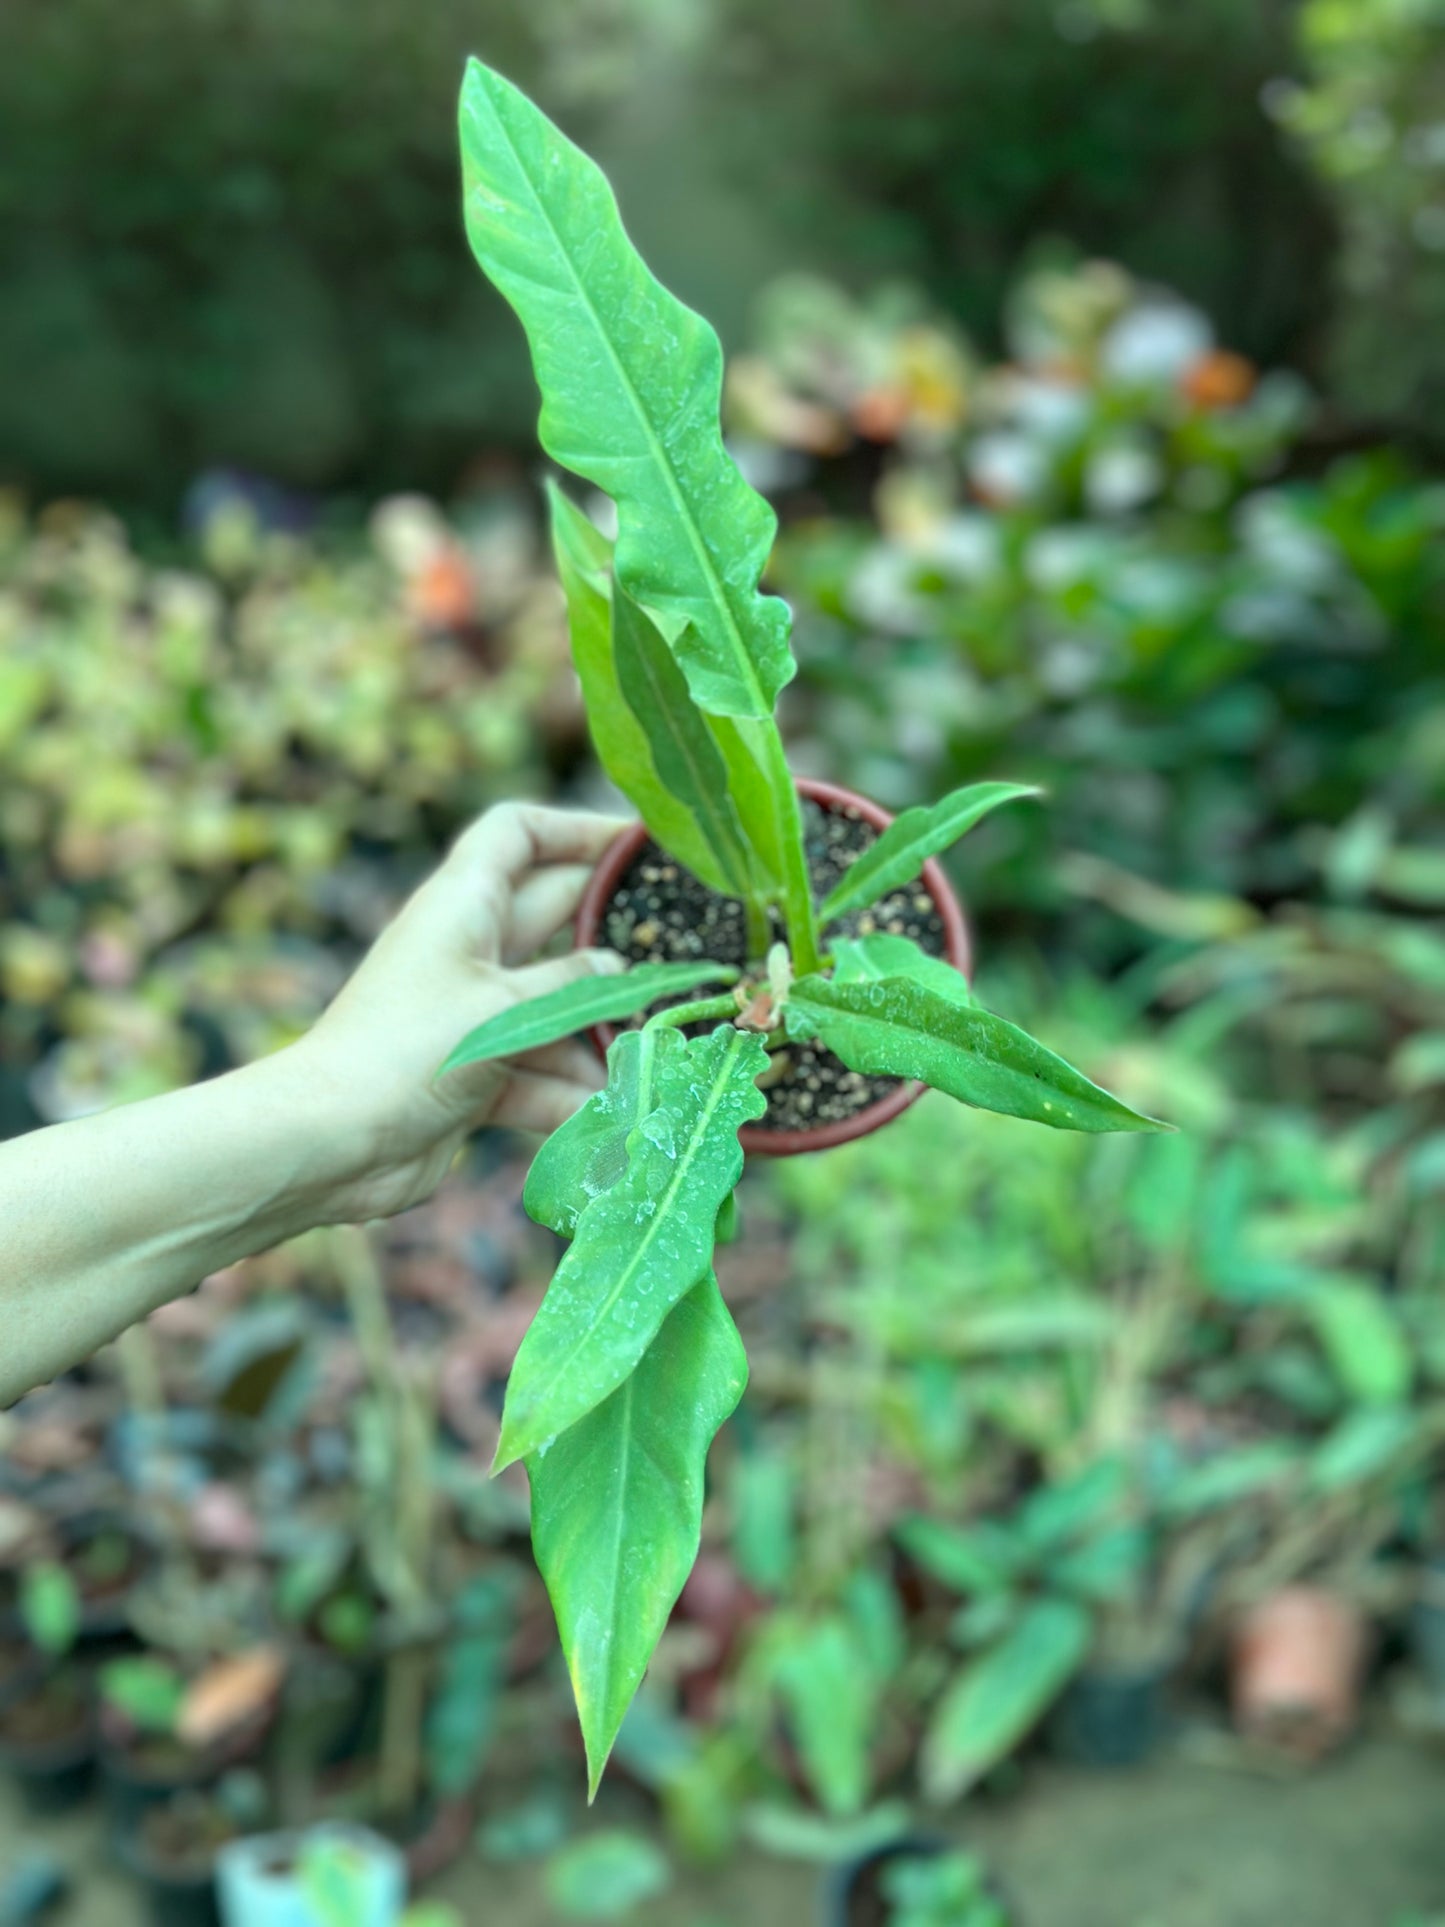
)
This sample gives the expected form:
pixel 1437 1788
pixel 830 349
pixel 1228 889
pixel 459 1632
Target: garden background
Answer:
pixel 1093 353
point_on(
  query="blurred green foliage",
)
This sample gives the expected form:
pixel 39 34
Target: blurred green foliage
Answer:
pixel 1091 567
pixel 943 138
pixel 229 229
pixel 218 777
pixel 229 233
pixel 1370 116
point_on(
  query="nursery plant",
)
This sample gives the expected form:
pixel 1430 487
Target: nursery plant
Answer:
pixel 796 934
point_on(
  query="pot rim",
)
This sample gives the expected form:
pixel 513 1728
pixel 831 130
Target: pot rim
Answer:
pixel 824 1137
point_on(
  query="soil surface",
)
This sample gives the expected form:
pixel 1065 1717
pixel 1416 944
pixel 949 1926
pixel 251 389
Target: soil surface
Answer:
pixel 1357 1843
pixel 660 913
pixel 51 1717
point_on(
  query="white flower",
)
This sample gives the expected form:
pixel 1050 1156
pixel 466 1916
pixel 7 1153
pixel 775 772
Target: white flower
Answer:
pixel 1155 342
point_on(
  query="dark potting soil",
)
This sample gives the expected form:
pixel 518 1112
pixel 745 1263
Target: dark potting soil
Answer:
pixel 660 913
pixel 180 1840
pixel 52 1714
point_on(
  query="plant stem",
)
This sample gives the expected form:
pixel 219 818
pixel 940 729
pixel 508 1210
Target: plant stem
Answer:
pixel 760 929
pixel 798 914
pixel 695 1012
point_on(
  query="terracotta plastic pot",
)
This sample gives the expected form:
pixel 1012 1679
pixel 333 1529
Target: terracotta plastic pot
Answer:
pixel 756 1142
pixel 1298 1657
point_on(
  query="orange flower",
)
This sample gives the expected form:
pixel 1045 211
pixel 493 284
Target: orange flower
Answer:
pixel 1218 379
pixel 443 592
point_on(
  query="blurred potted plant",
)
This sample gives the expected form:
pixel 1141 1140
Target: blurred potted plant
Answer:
pixel 333 1875
pixel 1302 1608
pixel 1035 1585
pixel 47 1710
pixel 916 1883
pixel 171 1725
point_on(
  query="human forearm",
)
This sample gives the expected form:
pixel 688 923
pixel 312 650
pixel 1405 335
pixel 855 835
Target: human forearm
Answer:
pixel 104 1219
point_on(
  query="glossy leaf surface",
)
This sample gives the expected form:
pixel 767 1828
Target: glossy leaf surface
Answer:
pixel 908 842
pixel 899 1028
pixel 588 1154
pixel 584 563
pixel 641 1245
pixel 572 1007
pixel 861 960
pixel 630 381
pixel 995 1699
pixel 617 1507
pixel 679 746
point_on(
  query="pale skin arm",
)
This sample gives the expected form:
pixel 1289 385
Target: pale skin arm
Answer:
pixel 104 1219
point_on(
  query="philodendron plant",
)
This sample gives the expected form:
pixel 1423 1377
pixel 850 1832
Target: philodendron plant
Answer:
pixel 633 1362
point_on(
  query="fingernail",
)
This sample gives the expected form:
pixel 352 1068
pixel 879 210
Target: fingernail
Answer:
pixel 607 963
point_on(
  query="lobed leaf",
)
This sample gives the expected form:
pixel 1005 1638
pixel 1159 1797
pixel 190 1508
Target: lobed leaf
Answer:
pixel 631 381
pixel 617 1507
pixel 679 746
pixel 861 960
pixel 908 842
pixel 588 1154
pixel 641 1245
pixel 584 563
pixel 995 1699
pixel 572 1007
pixel 894 1027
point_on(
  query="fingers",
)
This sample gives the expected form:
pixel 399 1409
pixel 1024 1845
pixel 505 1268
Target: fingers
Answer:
pixel 537 1102
pixel 574 1060
pixel 513 838
pixel 543 905
pixel 534 980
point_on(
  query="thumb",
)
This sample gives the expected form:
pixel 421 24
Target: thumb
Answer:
pixel 534 980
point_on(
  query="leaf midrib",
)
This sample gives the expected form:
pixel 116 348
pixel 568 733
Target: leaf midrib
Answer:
pixel 684 1164
pixel 614 1582
pixel 659 451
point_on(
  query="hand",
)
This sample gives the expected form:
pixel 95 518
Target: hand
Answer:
pixel 458 952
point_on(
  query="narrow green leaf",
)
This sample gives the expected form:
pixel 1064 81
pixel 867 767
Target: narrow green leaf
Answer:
pixel 897 1028
pixel 768 813
pixel 995 1699
pixel 860 960
pixel 50 1606
pixel 606 1876
pixel 908 842
pixel 981 1558
pixel 630 384
pixel 1362 1446
pixel 827 1687
pixel 679 746
pixel 1105 1568
pixel 641 1245
pixel 617 1507
pixel 1232 1476
pixel 1065 1509
pixel 728 1221
pixel 764 1506
pixel 584 563
pixel 573 1007
pixel 588 1154
pixel 1363 1338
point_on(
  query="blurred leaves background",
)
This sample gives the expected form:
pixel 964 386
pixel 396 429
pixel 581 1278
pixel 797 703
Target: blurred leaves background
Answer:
pixel 229 228
pixel 1089 351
